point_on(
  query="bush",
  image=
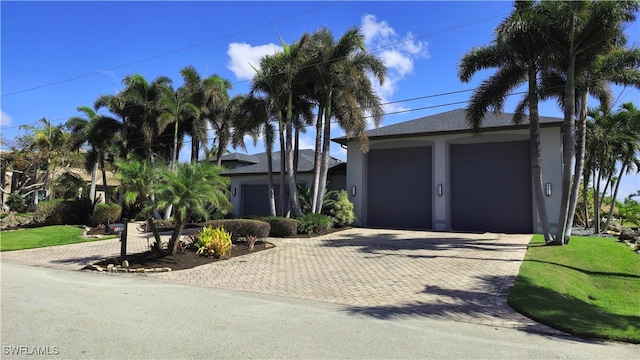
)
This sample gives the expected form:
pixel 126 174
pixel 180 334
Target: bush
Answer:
pixel 213 242
pixel 105 213
pixel 64 212
pixel 312 223
pixel 242 227
pixel 281 226
pixel 15 202
pixel 342 210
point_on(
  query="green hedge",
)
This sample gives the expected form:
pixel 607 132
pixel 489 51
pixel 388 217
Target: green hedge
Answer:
pixel 242 227
pixel 64 212
pixel 281 226
pixel 312 223
pixel 105 213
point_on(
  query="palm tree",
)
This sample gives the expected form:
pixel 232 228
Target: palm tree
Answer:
pixel 516 53
pixel 337 71
pixel 189 189
pixel 581 30
pixel 49 139
pixel 100 132
pixel 175 108
pixel 210 96
pixel 137 179
pixel 627 125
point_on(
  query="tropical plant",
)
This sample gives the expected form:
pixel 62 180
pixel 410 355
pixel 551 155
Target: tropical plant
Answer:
pixel 342 210
pixel 516 52
pixel 15 201
pixel 213 242
pixel 189 189
pixel 313 223
pixel 630 211
pixel 336 79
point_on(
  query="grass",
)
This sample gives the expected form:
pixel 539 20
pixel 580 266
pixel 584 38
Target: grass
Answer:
pixel 589 288
pixel 42 237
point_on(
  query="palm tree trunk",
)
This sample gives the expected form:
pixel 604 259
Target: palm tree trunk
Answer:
pixel 613 199
pixel 272 197
pixel 568 151
pixel 324 165
pixel 105 188
pixel 596 204
pixel 585 194
pixel 293 189
pixel 172 248
pixel 281 196
pixel 94 179
pixel 536 156
pixel 317 160
pixel 581 133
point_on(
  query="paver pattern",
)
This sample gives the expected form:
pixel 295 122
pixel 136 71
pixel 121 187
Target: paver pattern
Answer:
pixel 380 273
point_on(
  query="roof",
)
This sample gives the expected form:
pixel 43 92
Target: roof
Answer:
pixel 305 163
pixel 239 157
pixel 447 122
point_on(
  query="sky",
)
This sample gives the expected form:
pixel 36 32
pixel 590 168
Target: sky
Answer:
pixel 56 56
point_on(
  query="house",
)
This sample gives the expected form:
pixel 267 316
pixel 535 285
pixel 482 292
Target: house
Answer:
pixel 249 181
pixel 435 173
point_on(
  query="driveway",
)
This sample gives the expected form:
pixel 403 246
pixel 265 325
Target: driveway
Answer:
pixel 380 273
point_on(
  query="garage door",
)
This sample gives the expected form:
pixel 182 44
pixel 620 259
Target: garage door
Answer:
pixel 399 188
pixel 255 199
pixel 491 187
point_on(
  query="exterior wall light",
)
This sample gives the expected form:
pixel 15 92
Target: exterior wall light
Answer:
pixel 547 189
pixel 233 192
pixel 353 190
pixel 439 190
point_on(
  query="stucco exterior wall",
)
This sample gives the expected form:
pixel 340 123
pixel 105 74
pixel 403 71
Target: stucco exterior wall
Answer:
pixel 551 142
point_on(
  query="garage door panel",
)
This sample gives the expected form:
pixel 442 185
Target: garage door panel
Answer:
pixel 399 188
pixel 491 187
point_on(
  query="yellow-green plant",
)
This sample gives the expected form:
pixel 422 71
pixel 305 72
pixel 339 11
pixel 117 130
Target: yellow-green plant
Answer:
pixel 213 242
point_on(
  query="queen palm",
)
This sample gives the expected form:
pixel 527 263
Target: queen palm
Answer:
pixel 516 52
pixel 581 32
pixel 189 189
pixel 338 71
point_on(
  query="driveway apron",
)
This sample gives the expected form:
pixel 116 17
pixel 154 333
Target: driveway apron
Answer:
pixel 381 273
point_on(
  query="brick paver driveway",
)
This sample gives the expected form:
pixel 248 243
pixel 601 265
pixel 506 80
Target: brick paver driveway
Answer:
pixel 380 273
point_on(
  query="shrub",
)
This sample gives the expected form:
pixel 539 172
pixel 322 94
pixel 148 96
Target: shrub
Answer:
pixel 15 202
pixel 105 213
pixel 312 223
pixel 213 242
pixel 281 226
pixel 242 227
pixel 342 210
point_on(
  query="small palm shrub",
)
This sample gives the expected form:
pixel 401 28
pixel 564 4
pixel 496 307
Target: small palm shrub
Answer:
pixel 105 213
pixel 15 201
pixel 213 242
pixel 342 210
pixel 312 223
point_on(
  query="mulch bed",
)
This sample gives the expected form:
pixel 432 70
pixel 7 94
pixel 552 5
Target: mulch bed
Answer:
pixel 182 259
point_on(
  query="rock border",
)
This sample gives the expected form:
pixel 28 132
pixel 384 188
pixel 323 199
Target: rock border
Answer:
pixel 119 269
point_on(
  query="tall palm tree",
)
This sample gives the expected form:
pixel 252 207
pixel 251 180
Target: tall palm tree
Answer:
pixel 101 133
pixel 189 189
pixel 175 108
pixel 627 123
pixel 516 52
pixel 581 30
pixel 338 70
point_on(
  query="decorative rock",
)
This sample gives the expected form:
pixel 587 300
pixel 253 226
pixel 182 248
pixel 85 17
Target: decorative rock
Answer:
pixel 148 270
pixel 166 269
pixel 141 270
pixel 110 266
pixel 628 234
pixel 125 263
pixel 122 270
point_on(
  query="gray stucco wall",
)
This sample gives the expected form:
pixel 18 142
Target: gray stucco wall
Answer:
pixel 551 142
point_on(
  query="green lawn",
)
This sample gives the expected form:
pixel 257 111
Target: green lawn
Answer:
pixel 42 237
pixel 589 288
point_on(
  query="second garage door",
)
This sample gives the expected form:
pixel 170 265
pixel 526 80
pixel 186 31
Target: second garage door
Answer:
pixel 399 188
pixel 491 187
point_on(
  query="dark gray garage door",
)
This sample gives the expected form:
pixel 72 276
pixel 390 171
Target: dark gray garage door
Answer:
pixel 399 188
pixel 491 187
pixel 255 199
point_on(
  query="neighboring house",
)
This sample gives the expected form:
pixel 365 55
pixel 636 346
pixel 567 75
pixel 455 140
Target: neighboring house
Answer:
pixel 435 173
pixel 248 173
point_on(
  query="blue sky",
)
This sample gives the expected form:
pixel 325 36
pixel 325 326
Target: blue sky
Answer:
pixel 57 56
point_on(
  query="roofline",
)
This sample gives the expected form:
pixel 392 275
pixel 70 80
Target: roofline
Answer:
pixel 343 140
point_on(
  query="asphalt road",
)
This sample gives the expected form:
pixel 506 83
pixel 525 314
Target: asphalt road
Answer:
pixel 50 313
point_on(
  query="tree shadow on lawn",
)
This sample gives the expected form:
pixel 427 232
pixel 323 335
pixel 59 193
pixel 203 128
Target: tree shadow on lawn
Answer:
pixel 382 244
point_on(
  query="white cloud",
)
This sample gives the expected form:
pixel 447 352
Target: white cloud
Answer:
pixel 397 52
pixel 5 119
pixel 242 56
